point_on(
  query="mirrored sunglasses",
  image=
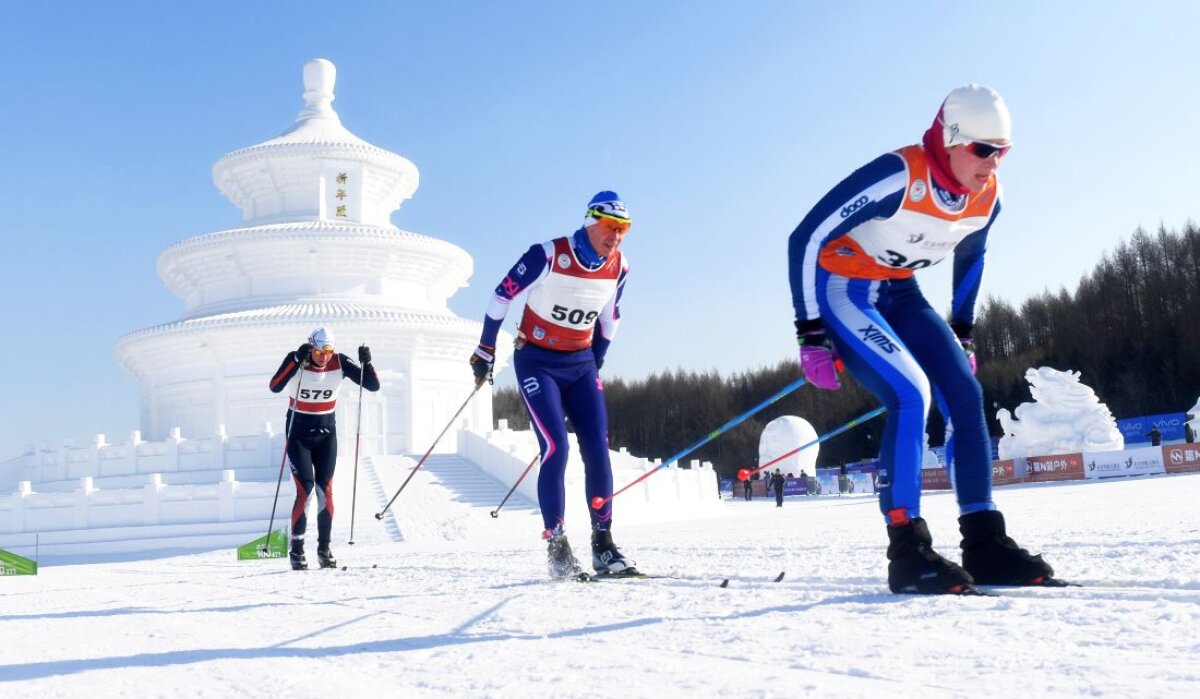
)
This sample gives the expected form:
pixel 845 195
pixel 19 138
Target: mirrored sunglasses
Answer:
pixel 982 150
pixel 613 223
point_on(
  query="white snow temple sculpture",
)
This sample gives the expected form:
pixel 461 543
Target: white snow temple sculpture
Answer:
pixel 316 248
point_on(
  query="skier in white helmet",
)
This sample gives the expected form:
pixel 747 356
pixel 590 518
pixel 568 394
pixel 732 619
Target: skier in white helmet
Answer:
pixel 312 431
pixel 851 265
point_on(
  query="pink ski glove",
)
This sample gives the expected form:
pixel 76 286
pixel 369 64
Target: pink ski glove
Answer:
pixel 963 332
pixel 818 361
pixel 968 346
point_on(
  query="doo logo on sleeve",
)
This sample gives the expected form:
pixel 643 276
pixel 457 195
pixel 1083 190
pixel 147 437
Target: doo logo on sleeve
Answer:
pixel 855 205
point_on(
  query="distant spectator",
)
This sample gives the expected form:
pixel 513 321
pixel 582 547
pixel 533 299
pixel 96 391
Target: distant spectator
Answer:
pixel 1155 437
pixel 1189 435
pixel 777 482
pixel 747 488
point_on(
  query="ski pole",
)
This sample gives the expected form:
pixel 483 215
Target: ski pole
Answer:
pixel 496 512
pixel 478 384
pixel 598 502
pixel 287 435
pixel 357 439
pixel 745 473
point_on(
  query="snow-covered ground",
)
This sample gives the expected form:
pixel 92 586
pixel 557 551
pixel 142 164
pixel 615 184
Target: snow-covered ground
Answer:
pixel 477 618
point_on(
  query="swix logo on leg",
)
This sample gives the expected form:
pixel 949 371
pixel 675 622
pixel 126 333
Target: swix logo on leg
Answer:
pixel 531 386
pixel 879 338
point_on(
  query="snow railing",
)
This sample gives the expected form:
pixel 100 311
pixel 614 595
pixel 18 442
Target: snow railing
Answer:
pixel 154 503
pixel 137 457
pixel 213 479
pixel 677 492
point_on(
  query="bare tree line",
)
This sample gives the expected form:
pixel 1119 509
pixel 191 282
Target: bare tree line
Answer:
pixel 1131 328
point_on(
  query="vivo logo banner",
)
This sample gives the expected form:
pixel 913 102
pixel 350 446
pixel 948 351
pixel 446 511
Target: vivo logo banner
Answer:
pixel 1136 429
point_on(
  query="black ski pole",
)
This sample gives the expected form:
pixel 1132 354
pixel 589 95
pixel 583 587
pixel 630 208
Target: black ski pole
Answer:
pixel 287 435
pixel 496 512
pixel 478 385
pixel 357 439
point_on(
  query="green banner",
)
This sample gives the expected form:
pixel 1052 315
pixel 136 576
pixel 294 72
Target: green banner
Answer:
pixel 12 564
pixel 274 545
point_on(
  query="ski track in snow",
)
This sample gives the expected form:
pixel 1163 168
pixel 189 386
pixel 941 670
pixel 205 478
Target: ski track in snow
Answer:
pixel 439 615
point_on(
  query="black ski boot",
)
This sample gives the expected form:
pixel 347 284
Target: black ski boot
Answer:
pixel 993 558
pixel 915 568
pixel 559 558
pixel 607 559
pixel 299 562
pixel 325 557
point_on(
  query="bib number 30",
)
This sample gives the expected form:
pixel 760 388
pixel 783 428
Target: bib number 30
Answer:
pixel 576 316
pixel 895 259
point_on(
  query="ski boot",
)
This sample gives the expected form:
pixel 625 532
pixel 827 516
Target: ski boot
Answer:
pixel 297 559
pixel 993 558
pixel 325 557
pixel 915 568
pixel 559 558
pixel 607 559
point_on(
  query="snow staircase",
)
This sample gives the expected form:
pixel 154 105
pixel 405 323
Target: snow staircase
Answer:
pixel 449 499
pixel 468 484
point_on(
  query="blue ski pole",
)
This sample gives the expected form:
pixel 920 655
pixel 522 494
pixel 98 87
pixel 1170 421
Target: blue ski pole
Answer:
pixel 745 473
pixel 598 502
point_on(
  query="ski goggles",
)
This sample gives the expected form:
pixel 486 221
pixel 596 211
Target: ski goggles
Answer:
pixel 617 225
pixel 983 151
pixel 326 351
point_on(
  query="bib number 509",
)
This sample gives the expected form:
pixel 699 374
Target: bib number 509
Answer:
pixel 576 316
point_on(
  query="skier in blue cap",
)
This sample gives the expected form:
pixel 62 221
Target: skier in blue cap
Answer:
pixel 571 315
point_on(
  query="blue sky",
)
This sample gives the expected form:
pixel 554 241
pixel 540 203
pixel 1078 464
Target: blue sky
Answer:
pixel 719 123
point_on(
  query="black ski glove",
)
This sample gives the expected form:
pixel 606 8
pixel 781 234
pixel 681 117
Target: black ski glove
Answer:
pixel 482 360
pixel 304 352
pixel 364 355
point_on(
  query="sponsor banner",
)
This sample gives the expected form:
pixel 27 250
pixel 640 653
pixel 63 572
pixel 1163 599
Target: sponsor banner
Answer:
pixel 12 564
pixel 1059 467
pixel 1181 458
pixel 794 485
pixel 863 476
pixel 827 480
pixel 935 479
pixel 1004 472
pixel 943 460
pixel 758 489
pixel 862 481
pixel 1147 461
pixel 1136 430
pixel 273 545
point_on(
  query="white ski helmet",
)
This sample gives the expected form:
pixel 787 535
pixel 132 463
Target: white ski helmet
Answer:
pixel 321 338
pixel 975 113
